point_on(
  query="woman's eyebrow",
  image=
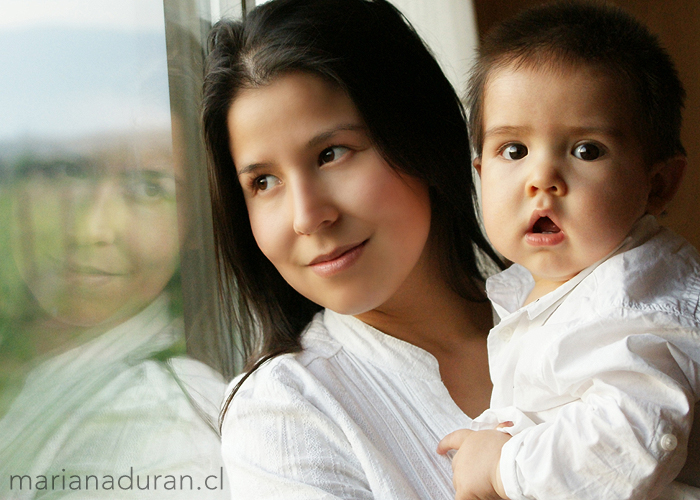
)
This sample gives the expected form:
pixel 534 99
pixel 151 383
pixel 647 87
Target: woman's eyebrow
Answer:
pixel 324 136
pixel 251 168
pixel 313 142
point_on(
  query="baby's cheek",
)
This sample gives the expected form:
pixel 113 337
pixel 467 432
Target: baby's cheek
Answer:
pixel 493 216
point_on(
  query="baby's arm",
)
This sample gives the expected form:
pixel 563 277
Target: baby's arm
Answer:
pixel 475 466
pixel 624 434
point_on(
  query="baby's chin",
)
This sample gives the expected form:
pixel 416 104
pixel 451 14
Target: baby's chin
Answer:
pixel 553 270
pixel 556 277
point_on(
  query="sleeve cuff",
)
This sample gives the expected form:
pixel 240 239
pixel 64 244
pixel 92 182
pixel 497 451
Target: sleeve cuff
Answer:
pixel 509 469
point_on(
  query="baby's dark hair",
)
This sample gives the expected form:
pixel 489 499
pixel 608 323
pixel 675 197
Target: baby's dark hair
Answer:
pixel 569 33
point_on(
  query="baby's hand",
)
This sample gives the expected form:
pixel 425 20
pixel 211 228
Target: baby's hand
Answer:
pixel 504 424
pixel 476 473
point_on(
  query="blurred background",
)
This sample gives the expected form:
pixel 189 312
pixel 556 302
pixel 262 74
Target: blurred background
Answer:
pixel 113 351
pixel 111 362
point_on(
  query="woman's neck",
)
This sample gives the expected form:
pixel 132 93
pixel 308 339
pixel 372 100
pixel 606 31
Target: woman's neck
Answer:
pixel 439 320
pixel 430 315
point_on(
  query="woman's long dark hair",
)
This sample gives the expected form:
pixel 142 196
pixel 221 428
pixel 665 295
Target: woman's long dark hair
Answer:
pixel 411 111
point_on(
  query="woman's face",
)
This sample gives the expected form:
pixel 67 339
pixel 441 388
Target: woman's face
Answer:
pixel 341 226
pixel 96 241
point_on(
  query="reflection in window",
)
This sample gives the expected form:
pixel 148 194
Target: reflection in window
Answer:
pixel 107 288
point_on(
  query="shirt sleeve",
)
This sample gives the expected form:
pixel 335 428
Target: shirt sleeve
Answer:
pixel 280 440
pixel 625 434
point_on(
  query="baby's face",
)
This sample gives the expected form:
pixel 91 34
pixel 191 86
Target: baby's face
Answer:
pixel 563 172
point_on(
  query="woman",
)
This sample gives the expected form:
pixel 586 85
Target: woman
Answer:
pixel 99 384
pixel 344 220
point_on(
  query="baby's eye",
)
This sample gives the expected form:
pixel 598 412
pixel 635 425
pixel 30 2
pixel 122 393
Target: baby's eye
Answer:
pixel 588 151
pixel 265 182
pixel 331 154
pixel 514 151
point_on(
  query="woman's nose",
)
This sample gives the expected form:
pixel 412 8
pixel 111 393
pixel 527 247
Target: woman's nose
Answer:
pixel 101 215
pixel 313 205
pixel 546 176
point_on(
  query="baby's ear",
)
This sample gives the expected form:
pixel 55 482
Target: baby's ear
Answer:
pixel 477 165
pixel 665 180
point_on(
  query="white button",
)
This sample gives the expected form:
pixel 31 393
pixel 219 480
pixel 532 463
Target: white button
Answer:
pixel 668 442
pixel 506 333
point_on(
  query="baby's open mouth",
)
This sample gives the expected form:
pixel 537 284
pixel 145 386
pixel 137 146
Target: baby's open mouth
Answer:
pixel 545 225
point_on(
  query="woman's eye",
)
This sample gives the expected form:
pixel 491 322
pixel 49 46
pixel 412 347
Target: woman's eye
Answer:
pixel 264 182
pixel 514 151
pixel 588 151
pixel 331 154
pixel 148 189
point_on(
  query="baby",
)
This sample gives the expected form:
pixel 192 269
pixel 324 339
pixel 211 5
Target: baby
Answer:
pixel 575 115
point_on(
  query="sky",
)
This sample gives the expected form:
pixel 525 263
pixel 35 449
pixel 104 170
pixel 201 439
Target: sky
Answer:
pixel 72 68
pixel 119 14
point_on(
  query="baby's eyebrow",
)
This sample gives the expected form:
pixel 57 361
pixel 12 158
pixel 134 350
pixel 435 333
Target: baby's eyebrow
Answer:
pixel 609 131
pixel 513 130
pixel 505 130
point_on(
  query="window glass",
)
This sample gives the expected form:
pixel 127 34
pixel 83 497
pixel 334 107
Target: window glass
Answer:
pixel 112 366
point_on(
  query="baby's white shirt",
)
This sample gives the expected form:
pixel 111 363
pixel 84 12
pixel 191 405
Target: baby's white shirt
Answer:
pixel 599 376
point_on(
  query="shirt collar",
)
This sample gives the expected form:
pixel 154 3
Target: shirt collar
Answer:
pixel 508 289
pixel 380 349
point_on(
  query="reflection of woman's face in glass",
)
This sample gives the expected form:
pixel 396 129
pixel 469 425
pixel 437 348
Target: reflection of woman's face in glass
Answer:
pixel 96 241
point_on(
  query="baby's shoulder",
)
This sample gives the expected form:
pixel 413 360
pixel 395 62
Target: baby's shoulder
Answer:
pixel 662 275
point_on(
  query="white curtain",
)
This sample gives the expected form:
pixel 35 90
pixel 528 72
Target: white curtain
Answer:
pixel 449 28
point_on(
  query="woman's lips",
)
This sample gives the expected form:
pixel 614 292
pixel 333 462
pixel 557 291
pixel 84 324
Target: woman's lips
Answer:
pixel 91 270
pixel 88 275
pixel 338 260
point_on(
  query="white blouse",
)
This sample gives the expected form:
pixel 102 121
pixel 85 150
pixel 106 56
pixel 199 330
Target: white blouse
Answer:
pixel 357 414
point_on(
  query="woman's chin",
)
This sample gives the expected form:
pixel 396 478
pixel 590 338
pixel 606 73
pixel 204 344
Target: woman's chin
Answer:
pixel 351 306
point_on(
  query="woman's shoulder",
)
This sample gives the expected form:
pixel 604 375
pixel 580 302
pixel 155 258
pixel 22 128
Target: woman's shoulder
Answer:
pixel 290 390
pixel 333 343
pixel 284 433
pixel 289 372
